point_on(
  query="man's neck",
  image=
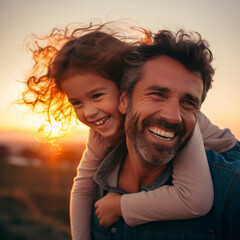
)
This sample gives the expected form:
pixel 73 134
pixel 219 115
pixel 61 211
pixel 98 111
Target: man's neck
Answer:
pixel 135 173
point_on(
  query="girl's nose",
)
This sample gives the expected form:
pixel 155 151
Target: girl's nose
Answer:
pixel 90 111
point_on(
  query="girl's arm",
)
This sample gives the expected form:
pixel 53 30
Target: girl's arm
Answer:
pixel 83 186
pixel 190 196
pixel 218 140
pixel 192 192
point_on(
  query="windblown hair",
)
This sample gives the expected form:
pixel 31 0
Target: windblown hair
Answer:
pixel 97 49
pixel 105 50
pixel 190 50
pixel 96 52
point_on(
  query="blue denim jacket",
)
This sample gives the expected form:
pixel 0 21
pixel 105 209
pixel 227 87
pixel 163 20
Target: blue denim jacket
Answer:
pixel 222 222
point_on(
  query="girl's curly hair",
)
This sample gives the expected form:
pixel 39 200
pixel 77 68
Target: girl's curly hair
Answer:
pixel 98 48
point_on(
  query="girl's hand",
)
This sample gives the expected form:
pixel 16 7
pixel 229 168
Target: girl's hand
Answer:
pixel 108 209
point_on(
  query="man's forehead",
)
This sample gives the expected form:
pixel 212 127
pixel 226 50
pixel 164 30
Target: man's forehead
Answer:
pixel 163 62
pixel 167 66
pixel 167 72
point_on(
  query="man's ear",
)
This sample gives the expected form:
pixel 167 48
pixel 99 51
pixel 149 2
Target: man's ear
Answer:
pixel 122 107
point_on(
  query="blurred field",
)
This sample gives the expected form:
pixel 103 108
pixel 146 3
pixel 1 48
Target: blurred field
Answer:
pixel 34 202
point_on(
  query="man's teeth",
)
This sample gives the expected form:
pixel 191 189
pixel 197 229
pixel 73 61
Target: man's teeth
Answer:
pixel 161 133
pixel 101 121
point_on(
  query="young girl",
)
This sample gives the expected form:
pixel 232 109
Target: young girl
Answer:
pixel 88 70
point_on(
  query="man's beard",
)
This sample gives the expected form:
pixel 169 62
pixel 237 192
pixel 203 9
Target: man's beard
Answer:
pixel 153 153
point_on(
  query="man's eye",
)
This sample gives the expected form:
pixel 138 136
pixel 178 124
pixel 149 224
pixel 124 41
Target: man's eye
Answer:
pixel 157 94
pixel 191 104
pixel 97 95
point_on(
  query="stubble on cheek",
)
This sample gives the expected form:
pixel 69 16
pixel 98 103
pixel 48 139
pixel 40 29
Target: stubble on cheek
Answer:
pixel 152 153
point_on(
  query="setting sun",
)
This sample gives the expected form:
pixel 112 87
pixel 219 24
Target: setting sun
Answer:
pixel 16 60
pixel 47 158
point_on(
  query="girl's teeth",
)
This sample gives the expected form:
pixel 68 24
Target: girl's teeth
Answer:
pixel 101 122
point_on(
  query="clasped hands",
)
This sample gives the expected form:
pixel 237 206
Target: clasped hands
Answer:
pixel 108 209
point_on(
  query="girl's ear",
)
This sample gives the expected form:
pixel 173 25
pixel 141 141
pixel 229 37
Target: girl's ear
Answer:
pixel 122 107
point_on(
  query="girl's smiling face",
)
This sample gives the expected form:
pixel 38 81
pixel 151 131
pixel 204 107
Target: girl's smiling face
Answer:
pixel 95 100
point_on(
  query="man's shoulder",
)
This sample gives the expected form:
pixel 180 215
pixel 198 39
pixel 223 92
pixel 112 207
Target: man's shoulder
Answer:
pixel 228 161
pixel 225 172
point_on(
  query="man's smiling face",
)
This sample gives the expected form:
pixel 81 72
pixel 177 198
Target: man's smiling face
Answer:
pixel 163 109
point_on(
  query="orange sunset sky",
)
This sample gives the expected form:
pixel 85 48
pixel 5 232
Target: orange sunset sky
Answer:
pixel 216 20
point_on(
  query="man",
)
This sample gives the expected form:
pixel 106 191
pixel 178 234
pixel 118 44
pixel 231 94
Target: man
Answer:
pixel 163 88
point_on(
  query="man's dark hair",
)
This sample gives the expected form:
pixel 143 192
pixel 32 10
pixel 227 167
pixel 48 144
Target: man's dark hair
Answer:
pixel 190 50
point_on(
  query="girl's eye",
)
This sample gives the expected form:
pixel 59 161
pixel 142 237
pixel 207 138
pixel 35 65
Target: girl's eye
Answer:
pixel 77 104
pixel 97 95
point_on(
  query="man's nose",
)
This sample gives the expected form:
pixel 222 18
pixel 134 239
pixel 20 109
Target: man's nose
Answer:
pixel 90 111
pixel 171 112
